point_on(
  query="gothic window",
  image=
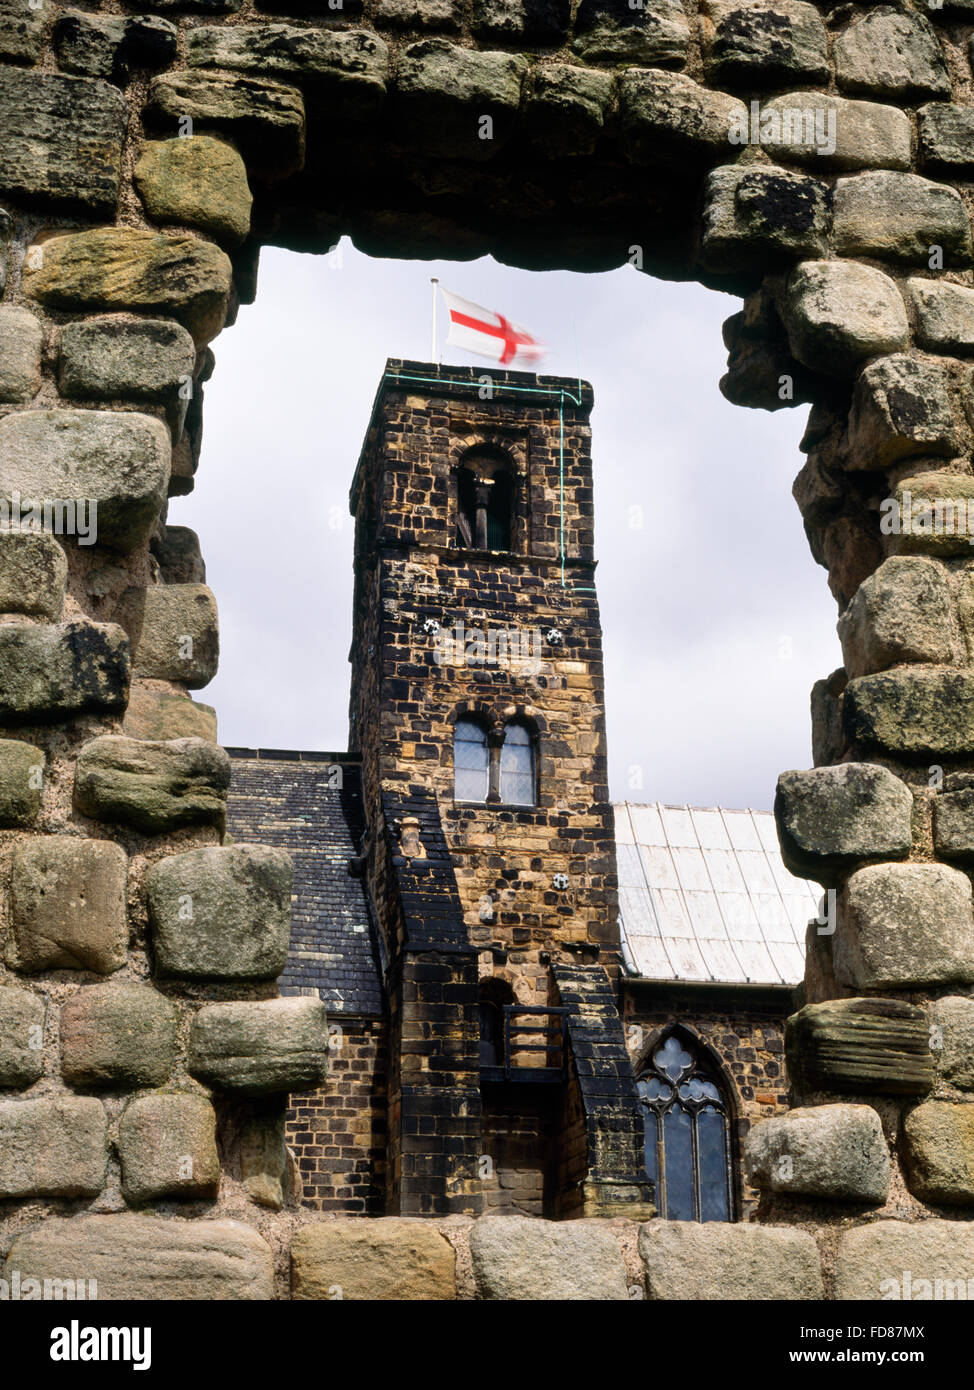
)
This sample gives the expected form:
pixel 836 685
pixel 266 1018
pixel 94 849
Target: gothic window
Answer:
pixel 485 503
pixel 471 761
pixel 685 1115
pixel 517 767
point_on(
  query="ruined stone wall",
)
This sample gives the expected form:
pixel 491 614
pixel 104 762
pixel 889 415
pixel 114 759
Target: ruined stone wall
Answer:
pixel 144 159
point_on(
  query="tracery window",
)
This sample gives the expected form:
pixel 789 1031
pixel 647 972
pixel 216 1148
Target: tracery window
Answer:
pixel 685 1115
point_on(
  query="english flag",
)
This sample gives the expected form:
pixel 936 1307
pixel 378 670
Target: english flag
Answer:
pixel 487 334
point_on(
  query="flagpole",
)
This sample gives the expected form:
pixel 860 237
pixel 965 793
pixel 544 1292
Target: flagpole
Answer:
pixel 433 282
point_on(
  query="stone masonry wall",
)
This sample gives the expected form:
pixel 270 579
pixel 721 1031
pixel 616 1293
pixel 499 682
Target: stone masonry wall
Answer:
pixel 144 160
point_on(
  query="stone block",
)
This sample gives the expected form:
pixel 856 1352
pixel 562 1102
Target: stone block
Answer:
pixel 222 912
pixel 62 141
pixel 259 1049
pixel 830 818
pixel 753 216
pixel 518 23
pixel 444 92
pixel 119 1035
pixel 613 31
pixel 944 314
pixel 117 461
pixel 863 1046
pixel 828 737
pixel 867 134
pixel 154 786
pixel 953 824
pixel 125 268
pixel 914 712
pixel 666 115
pixel 21 782
pixel 174 633
pixel 901 217
pixel 167 1148
pixel 891 53
pixel 265 120
pixel 902 406
pixel 109 46
pixel 905 1260
pixel 930 514
pixel 422 15
pixel 200 182
pixel 764 43
pixel 177 550
pixel 835 1152
pixel 946 136
pixel 54 672
pixel 145 1258
pixel 904 926
pixel 33 574
pixel 391 1258
pixel 518 1257
pixel 21 31
pixel 836 314
pixel 952 1039
pixel 564 113
pixel 53 1147
pixel 721 1262
pixel 938 1152
pixel 901 613
pixel 67 905
pixel 264 1162
pixel 153 715
pixel 21 340
pixel 21 1036
pixel 112 357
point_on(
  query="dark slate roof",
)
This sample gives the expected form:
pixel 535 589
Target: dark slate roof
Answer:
pixel 311 805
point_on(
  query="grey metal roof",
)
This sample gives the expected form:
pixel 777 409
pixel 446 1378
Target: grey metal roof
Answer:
pixel 705 897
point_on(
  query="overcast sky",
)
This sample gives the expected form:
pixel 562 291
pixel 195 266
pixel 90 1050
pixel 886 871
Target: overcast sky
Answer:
pixel 716 619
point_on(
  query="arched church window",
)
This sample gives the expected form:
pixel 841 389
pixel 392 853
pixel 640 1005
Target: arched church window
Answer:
pixel 485 502
pixel 517 767
pixel 471 761
pixel 685 1115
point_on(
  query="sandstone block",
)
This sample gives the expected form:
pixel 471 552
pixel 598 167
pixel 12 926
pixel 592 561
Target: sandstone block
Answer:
pixel 829 818
pixel 721 1262
pixel 259 1049
pixel 565 109
pixel 174 633
pixel 755 215
pixel 953 824
pixel 444 91
pixel 837 313
pixel 865 1046
pixel 21 782
pixel 21 339
pixel 222 913
pixel 764 43
pixel 124 268
pixel 945 314
pixel 667 115
pixel 53 1148
pixel 167 1148
pixel 178 553
pixel 938 1142
pixel 67 905
pixel 33 574
pixel 200 182
pixel 387 1259
pixel 902 406
pixel 930 514
pixel 112 358
pixel 118 461
pixel 516 24
pixel 155 786
pixel 118 1035
pixel 154 715
pixel 110 47
pixel 946 132
pixel 62 139
pixel 21 1036
pixel 147 1257
pixel 21 31
pixel 518 1257
pixel 265 120
pixel 905 1260
pixel 914 712
pixel 904 926
pixel 264 1162
pixel 901 613
pixel 952 1039
pixel 656 35
pixel 900 216
pixel 891 53
pixel 836 1152
pixel 53 672
pixel 868 135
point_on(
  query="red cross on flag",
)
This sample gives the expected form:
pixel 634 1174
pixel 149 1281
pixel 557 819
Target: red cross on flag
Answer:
pixel 487 334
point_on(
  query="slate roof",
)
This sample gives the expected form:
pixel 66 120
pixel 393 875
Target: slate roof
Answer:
pixel 292 799
pixel 704 896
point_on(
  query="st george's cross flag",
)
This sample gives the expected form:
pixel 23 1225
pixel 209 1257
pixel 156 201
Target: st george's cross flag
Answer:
pixel 487 334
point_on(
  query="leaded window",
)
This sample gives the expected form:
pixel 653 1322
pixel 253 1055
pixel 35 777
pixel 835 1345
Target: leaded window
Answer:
pixel 685 1116
pixel 471 761
pixel 517 767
